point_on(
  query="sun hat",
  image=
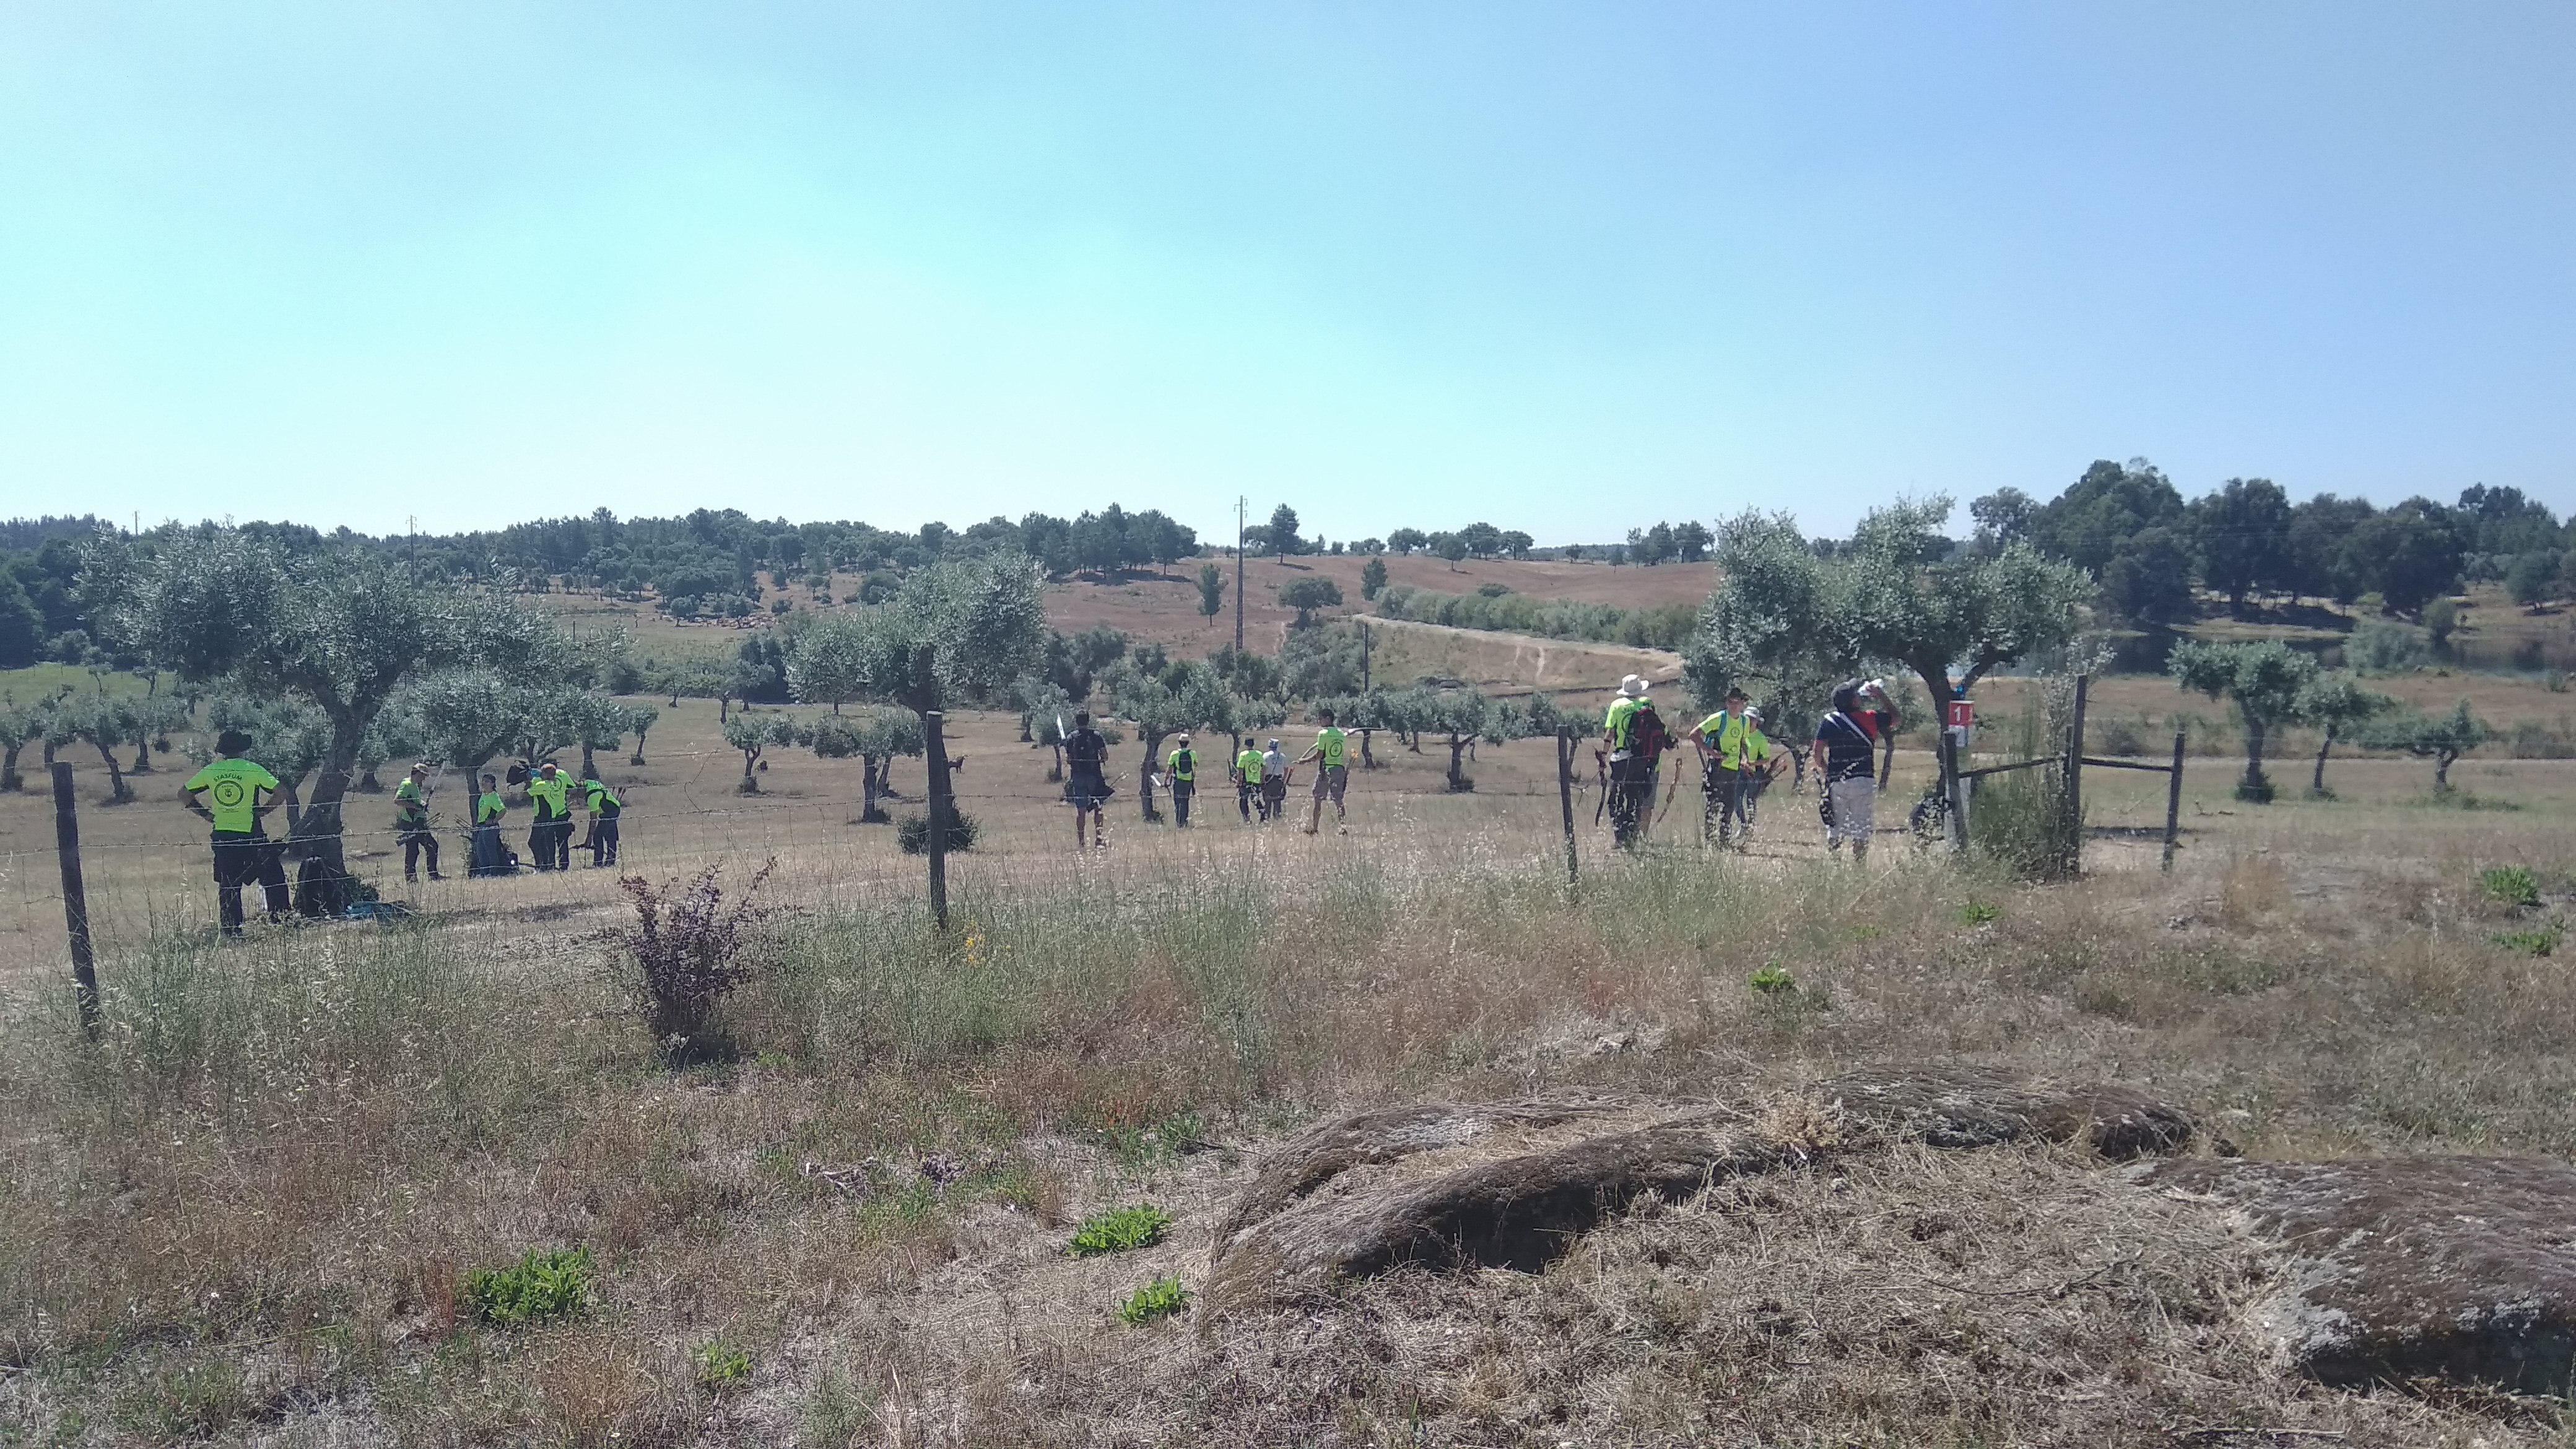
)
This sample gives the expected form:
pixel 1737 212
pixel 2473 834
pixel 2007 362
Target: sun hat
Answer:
pixel 1633 687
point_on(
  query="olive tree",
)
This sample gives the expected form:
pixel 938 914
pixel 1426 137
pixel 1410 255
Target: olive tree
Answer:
pixel 754 732
pixel 2265 680
pixel 1161 703
pixel 2335 704
pixel 20 726
pixel 2439 738
pixel 338 629
pixel 876 737
pixel 960 631
pixel 105 723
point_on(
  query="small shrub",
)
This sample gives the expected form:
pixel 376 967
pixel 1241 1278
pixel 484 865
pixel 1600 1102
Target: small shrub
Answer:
pixel 721 1364
pixel 2511 885
pixel 686 946
pixel 2542 942
pixel 1159 1299
pixel 1120 1230
pixel 1772 978
pixel 547 1283
pixel 1978 913
pixel 912 832
pixel 1491 591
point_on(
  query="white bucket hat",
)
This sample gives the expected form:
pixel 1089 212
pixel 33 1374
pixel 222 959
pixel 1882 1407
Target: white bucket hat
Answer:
pixel 1633 686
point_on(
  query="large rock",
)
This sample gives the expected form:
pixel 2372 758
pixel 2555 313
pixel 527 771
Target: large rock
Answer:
pixel 2400 1268
pixel 1513 1184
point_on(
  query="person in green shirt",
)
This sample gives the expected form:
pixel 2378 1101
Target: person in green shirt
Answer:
pixel 1247 783
pixel 230 793
pixel 1183 767
pixel 411 824
pixel 1331 754
pixel 1732 754
pixel 602 803
pixel 550 834
pixel 490 856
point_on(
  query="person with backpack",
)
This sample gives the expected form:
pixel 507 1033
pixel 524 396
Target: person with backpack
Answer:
pixel 1275 773
pixel 1182 770
pixel 1633 734
pixel 1086 782
pixel 1845 755
pixel 1732 750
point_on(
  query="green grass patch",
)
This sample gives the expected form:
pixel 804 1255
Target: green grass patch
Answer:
pixel 1120 1230
pixel 2510 885
pixel 1978 913
pixel 1159 1299
pixel 547 1283
pixel 2543 942
pixel 721 1365
pixel 1772 978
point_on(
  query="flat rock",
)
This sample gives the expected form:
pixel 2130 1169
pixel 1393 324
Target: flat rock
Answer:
pixel 2461 1268
pixel 1513 1184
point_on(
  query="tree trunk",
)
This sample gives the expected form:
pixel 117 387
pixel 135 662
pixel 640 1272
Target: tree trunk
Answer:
pixel 724 703
pixel 10 780
pixel 869 814
pixel 2317 786
pixel 1457 776
pixel 290 793
pixel 749 786
pixel 2254 754
pixel 118 792
pixel 322 887
pixel 1055 771
pixel 142 758
pixel 589 765
pixel 1367 761
pixel 2442 769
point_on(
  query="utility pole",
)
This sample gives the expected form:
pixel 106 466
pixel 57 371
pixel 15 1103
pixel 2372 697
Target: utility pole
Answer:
pixel 1238 573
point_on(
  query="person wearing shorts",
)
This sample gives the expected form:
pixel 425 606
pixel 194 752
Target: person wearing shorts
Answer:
pixel 1845 759
pixel 1086 759
pixel 1331 753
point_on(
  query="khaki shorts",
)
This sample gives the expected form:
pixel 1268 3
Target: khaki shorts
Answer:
pixel 1330 781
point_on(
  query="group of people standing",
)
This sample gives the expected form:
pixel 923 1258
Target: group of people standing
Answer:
pixel 234 795
pixel 1261 780
pixel 1738 762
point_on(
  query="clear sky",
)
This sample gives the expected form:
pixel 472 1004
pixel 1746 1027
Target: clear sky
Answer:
pixel 1565 267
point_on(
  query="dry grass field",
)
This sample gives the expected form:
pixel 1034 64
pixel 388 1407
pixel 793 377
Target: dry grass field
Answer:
pixel 248 1215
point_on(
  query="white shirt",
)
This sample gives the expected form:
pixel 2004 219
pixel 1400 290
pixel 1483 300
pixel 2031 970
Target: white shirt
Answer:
pixel 1274 765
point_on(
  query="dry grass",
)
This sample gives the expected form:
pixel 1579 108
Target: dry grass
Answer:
pixel 244 1218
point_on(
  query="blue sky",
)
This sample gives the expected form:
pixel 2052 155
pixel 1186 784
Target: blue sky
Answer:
pixel 1567 268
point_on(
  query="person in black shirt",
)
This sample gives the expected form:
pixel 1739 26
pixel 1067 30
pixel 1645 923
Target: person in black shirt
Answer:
pixel 1845 754
pixel 1086 784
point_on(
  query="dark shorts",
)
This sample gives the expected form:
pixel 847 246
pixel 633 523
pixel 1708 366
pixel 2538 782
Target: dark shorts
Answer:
pixel 1087 792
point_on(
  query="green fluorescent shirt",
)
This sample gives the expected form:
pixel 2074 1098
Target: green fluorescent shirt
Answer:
pixel 1329 741
pixel 1248 764
pixel 408 804
pixel 599 796
pixel 1614 723
pixel 549 796
pixel 232 792
pixel 1184 765
pixel 490 808
pixel 1734 741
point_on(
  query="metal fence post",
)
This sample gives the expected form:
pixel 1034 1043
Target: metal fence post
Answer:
pixel 2173 803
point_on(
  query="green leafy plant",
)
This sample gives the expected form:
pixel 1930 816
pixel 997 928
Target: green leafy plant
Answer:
pixel 1159 1299
pixel 2511 885
pixel 721 1364
pixel 547 1283
pixel 1978 913
pixel 2542 942
pixel 1120 1230
pixel 1772 978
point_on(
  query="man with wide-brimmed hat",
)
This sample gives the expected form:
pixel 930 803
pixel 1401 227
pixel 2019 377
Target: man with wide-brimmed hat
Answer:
pixel 232 793
pixel 1633 734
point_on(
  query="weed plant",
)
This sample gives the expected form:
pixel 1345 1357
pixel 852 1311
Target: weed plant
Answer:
pixel 547 1283
pixel 2511 885
pixel 1120 1230
pixel 1159 1299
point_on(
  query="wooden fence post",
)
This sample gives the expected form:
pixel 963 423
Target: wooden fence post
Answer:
pixel 1565 800
pixel 2075 780
pixel 75 898
pixel 2173 803
pixel 939 812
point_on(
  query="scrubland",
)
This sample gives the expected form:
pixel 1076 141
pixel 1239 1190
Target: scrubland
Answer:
pixel 251 1212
